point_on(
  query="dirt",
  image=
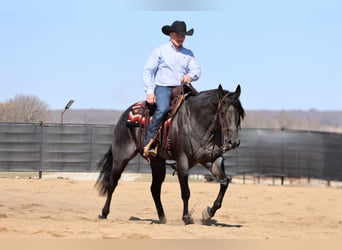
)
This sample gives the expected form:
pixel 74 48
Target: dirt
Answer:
pixel 68 209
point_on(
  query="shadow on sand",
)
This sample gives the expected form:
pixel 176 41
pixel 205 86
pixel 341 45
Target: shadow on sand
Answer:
pixel 205 223
pixel 218 224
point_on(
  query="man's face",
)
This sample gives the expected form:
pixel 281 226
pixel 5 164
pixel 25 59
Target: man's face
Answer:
pixel 177 39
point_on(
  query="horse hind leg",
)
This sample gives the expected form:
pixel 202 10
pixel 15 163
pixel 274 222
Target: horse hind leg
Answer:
pixel 217 169
pixel 106 207
pixel 113 182
pixel 111 173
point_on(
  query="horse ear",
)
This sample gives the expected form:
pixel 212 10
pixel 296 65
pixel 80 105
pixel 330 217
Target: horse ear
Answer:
pixel 220 91
pixel 238 91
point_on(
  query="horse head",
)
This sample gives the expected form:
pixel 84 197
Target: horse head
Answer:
pixel 230 113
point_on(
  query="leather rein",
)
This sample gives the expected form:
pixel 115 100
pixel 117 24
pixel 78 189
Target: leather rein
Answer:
pixel 224 129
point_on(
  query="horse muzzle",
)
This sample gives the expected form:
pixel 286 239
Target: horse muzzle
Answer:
pixel 232 144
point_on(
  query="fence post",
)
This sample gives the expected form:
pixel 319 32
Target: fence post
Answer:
pixel 40 171
pixel 91 141
pixel 282 151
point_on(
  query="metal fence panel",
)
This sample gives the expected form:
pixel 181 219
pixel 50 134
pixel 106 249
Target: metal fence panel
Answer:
pixel 66 148
pixel 53 147
pixel 20 147
pixel 101 138
pixel 287 153
pixel 78 148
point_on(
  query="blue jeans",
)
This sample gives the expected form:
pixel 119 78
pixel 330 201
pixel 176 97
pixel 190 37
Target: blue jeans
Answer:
pixel 163 98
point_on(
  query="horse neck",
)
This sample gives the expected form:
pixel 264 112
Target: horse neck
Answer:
pixel 203 109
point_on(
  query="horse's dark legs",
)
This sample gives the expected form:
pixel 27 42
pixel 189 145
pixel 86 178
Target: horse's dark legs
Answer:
pixel 210 211
pixel 183 174
pixel 105 209
pixel 113 182
pixel 114 165
pixel 217 169
pixel 158 177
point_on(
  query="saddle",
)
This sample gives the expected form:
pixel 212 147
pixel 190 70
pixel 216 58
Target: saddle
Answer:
pixel 140 116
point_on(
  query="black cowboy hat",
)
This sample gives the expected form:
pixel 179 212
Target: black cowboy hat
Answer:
pixel 177 26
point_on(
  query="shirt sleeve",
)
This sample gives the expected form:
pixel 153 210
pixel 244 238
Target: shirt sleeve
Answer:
pixel 150 70
pixel 194 69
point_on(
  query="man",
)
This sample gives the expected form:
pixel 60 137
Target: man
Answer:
pixel 167 67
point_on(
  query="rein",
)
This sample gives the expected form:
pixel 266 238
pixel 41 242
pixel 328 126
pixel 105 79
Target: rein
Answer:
pixel 224 128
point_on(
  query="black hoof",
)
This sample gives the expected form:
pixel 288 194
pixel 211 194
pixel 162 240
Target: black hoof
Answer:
pixel 162 221
pixel 206 215
pixel 188 220
pixel 102 217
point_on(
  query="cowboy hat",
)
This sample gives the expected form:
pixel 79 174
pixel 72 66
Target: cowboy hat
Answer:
pixel 177 26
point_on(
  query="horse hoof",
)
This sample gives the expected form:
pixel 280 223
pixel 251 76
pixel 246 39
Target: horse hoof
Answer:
pixel 102 217
pixel 188 220
pixel 162 220
pixel 205 215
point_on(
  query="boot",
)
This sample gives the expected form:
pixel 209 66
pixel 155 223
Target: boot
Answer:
pixel 150 150
pixel 147 148
pixel 153 151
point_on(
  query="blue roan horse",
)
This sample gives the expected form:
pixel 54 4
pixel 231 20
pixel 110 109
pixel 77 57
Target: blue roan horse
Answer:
pixel 205 126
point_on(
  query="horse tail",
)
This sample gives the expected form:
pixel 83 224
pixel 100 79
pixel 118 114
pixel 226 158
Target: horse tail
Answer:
pixel 105 166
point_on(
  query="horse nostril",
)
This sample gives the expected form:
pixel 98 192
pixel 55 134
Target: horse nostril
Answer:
pixel 235 143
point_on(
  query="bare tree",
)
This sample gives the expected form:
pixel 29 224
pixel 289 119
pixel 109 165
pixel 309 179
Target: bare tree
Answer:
pixel 23 108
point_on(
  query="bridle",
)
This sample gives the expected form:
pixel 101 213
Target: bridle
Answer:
pixel 215 152
pixel 219 117
pixel 224 127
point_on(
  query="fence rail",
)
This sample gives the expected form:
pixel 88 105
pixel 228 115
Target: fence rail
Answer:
pixel 78 148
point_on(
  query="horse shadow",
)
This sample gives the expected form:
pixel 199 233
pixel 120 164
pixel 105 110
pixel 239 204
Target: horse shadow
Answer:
pixel 134 218
pixel 210 222
pixel 215 223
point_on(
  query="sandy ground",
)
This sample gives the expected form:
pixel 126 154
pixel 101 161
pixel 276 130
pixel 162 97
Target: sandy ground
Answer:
pixel 68 208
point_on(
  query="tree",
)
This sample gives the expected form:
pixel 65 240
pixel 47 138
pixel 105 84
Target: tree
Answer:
pixel 23 108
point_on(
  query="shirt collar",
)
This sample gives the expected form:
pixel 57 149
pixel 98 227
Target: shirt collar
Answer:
pixel 173 47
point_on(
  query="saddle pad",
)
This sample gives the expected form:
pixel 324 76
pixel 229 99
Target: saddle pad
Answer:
pixel 136 116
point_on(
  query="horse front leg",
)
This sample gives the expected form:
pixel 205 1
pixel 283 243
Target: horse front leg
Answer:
pixel 217 169
pixel 158 177
pixel 183 178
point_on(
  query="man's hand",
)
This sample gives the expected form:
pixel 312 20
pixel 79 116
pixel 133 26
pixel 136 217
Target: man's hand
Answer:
pixel 151 98
pixel 186 79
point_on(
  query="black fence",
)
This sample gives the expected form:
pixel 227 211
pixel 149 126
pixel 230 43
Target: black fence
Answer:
pixel 78 147
pixel 288 153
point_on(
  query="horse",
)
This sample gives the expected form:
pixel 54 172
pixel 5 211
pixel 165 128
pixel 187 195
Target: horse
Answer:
pixel 204 128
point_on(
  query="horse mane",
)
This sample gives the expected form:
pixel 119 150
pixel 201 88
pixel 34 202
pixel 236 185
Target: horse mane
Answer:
pixel 232 99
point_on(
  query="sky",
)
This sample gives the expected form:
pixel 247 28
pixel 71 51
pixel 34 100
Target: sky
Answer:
pixel 285 54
